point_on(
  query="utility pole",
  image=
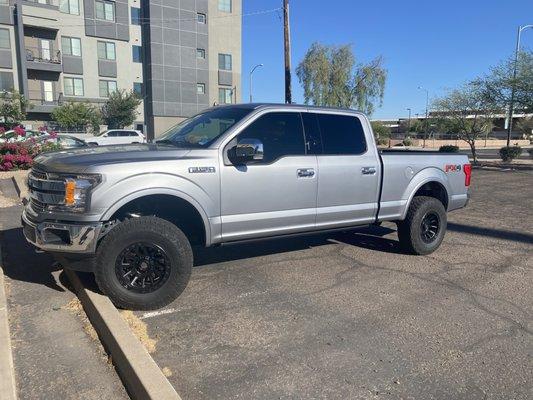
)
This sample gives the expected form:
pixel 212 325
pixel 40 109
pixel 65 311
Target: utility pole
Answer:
pixel 287 34
pixel 513 89
pixel 427 115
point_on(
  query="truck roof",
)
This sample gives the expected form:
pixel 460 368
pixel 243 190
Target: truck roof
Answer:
pixel 257 106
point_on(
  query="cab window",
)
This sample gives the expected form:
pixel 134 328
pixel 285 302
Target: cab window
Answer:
pixel 280 132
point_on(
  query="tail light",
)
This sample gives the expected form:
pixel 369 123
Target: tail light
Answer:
pixel 467 168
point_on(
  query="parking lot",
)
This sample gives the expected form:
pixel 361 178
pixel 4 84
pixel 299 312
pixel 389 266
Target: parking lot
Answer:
pixel 335 316
pixel 349 316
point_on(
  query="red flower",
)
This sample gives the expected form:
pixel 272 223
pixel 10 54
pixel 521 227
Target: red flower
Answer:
pixel 20 131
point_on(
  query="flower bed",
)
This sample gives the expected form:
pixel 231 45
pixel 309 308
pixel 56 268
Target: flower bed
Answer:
pixel 20 155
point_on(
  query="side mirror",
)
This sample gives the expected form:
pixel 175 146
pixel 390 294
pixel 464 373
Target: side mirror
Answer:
pixel 249 150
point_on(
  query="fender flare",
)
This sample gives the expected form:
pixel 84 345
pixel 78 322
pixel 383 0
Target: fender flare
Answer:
pixel 437 175
pixel 161 191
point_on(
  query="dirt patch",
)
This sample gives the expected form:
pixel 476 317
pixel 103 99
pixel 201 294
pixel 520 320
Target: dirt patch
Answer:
pixel 167 371
pixel 139 329
pixel 75 307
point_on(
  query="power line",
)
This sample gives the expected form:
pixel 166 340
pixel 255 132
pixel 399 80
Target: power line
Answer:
pixel 161 20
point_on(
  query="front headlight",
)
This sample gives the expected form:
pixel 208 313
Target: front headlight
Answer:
pixel 77 191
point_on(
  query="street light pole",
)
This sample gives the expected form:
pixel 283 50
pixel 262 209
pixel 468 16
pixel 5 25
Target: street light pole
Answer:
pixel 513 88
pixel 427 109
pixel 409 121
pixel 251 80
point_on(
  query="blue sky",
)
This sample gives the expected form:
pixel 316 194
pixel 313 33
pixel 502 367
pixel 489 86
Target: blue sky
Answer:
pixel 434 44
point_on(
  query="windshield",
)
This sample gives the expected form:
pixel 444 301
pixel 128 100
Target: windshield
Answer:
pixel 203 129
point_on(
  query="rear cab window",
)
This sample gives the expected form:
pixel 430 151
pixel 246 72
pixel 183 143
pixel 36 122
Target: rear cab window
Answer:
pixel 339 134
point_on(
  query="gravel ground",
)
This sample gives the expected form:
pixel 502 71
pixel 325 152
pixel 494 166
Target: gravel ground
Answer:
pixel 348 316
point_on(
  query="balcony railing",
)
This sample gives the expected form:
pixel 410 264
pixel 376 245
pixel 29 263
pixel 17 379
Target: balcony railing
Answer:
pixel 44 55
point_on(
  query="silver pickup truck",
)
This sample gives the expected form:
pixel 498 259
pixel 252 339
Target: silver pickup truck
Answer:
pixel 131 213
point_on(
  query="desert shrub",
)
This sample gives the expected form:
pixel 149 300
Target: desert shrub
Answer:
pixel 530 151
pixel 449 148
pixel 509 153
pixel 407 142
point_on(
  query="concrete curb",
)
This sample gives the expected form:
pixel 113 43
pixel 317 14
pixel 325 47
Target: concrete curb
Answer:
pixel 141 376
pixel 8 387
pixel 517 167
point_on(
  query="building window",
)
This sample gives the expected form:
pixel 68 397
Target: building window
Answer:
pixel 6 81
pixel 105 10
pixel 69 7
pixel 106 51
pixel 135 16
pixel 200 53
pixel 107 87
pixel 73 86
pixel 200 88
pixel 225 96
pixel 137 53
pixel 138 88
pixel 224 62
pixel 71 46
pixel 224 5
pixel 201 18
pixel 4 39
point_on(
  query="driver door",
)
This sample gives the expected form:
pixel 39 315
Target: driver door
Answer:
pixel 273 196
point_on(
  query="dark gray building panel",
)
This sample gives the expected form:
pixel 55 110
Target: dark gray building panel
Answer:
pixel 172 68
pixel 6 15
pixel 107 68
pixel 118 29
pixel 5 58
pixel 72 65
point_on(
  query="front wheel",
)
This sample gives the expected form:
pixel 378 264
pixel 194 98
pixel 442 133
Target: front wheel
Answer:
pixel 423 229
pixel 143 263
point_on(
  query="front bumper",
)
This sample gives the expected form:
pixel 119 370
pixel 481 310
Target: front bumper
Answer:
pixel 62 237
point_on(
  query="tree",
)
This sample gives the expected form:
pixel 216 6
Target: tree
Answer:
pixel 467 112
pixel 499 83
pixel 381 131
pixel 120 109
pixel 525 126
pixel 13 107
pixel 78 116
pixel 330 77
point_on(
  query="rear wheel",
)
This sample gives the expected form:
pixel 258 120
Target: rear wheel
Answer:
pixel 423 229
pixel 143 263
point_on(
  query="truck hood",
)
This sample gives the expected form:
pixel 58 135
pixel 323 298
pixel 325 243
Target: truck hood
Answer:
pixel 78 160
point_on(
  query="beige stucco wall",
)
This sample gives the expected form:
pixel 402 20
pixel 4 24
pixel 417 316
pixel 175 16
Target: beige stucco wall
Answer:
pixel 225 38
pixel 74 26
pixel 161 124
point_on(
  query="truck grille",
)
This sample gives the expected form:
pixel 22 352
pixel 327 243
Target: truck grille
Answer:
pixel 44 191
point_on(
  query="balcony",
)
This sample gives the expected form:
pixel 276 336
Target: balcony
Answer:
pixel 43 101
pixel 43 59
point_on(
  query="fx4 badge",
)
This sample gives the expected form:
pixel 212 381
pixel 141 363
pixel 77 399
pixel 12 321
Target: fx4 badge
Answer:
pixel 452 168
pixel 202 170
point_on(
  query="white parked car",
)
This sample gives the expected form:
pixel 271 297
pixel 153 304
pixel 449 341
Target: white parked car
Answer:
pixel 116 136
pixel 12 137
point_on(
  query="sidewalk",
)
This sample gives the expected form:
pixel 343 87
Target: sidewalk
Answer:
pixel 56 353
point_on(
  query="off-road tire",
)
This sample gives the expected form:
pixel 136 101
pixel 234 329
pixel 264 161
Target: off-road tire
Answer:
pixel 151 230
pixel 410 230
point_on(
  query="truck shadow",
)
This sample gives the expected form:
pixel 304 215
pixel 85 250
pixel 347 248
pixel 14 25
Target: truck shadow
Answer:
pixel 21 262
pixel 369 238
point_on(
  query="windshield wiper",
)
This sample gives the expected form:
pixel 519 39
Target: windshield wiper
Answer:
pixel 166 141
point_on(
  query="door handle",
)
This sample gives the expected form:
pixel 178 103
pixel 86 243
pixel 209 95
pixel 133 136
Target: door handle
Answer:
pixel 305 172
pixel 368 170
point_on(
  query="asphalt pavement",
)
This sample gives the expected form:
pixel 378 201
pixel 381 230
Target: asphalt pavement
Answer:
pixel 349 316
pixel 56 353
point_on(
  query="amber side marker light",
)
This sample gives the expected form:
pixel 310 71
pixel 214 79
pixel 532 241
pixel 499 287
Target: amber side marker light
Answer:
pixel 70 189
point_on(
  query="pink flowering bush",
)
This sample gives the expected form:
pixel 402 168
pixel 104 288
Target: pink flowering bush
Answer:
pixel 20 131
pixel 15 156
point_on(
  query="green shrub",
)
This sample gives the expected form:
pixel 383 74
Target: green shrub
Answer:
pixel 449 148
pixel 407 142
pixel 509 153
pixel 383 141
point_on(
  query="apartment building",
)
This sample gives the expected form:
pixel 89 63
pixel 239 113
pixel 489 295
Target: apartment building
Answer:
pixel 181 56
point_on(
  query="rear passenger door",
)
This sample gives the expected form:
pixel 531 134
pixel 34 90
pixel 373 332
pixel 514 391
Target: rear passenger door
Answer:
pixel 348 170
